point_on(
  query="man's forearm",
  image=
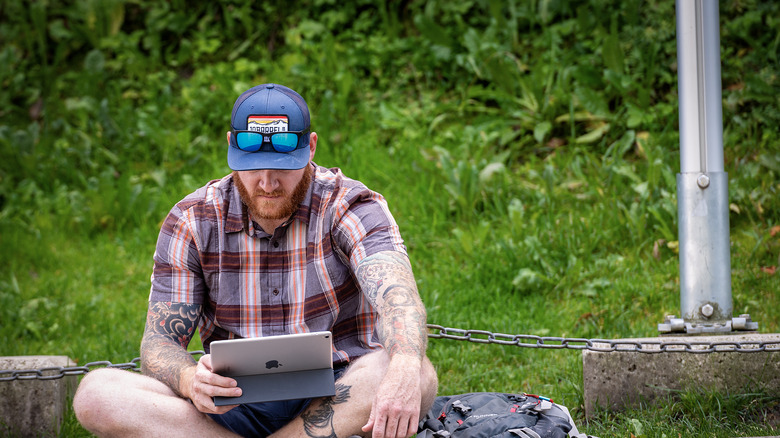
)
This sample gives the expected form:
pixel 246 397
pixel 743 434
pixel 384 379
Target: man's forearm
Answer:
pixel 402 323
pixel 387 280
pixel 169 329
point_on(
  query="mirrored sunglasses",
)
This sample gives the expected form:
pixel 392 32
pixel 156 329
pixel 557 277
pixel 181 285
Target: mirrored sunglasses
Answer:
pixel 253 141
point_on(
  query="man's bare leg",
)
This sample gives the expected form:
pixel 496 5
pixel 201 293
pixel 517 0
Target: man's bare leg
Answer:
pixel 345 414
pixel 112 402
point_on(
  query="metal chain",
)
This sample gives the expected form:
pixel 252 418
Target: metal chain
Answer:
pixel 601 345
pixel 476 336
pixel 53 373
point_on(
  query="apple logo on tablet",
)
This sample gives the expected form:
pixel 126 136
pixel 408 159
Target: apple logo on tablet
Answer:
pixel 272 364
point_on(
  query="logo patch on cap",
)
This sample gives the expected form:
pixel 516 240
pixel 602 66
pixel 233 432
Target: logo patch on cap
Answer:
pixel 267 124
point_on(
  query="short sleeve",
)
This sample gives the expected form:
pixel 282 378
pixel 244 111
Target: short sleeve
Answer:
pixel 364 226
pixel 177 275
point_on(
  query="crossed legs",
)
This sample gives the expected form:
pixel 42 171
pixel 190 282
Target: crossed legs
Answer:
pixel 112 402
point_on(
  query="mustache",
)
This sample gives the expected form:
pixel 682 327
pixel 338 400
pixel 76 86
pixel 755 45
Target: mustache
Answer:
pixel 260 192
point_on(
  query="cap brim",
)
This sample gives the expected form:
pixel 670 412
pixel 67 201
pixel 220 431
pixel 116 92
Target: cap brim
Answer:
pixel 241 160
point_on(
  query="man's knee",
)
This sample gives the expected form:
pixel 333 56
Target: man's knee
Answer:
pixel 103 395
pixel 93 399
pixel 374 363
pixel 372 368
pixel 429 382
pixel 93 387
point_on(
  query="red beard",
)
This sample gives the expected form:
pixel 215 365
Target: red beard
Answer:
pixel 275 209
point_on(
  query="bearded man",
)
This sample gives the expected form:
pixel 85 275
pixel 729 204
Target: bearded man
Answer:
pixel 279 246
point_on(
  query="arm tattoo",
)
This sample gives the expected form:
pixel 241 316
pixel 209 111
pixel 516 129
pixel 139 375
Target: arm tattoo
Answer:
pixel 387 281
pixel 169 329
pixel 318 421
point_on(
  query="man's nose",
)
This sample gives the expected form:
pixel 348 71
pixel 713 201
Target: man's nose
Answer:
pixel 268 182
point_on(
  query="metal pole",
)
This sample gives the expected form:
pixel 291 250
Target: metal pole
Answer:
pixel 699 84
pixel 702 184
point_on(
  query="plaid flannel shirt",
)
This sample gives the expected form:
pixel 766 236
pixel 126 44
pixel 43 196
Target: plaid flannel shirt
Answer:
pixel 299 279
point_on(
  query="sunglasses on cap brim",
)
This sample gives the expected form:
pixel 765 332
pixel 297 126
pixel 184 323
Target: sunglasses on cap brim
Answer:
pixel 253 141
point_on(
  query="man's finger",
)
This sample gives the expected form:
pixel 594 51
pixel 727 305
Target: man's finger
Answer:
pixel 380 424
pixel 205 360
pixel 414 422
pixel 411 428
pixel 224 392
pixel 369 424
pixel 215 379
pixel 391 427
pixel 206 405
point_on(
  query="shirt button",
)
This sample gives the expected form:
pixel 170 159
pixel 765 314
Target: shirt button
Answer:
pixel 276 291
pixel 276 243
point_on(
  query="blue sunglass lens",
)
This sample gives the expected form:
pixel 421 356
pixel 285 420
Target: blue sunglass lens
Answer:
pixel 253 141
pixel 249 141
pixel 284 141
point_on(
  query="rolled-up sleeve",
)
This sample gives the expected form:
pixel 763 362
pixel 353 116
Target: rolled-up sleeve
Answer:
pixel 177 276
pixel 364 226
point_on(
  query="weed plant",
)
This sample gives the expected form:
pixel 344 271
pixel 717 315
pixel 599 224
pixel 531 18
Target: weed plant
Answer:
pixel 527 149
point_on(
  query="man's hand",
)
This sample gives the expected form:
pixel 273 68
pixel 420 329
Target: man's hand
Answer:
pixel 396 408
pixel 200 384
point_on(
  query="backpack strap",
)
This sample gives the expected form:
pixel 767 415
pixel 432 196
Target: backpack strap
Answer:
pixel 427 433
pixel 573 433
pixel 524 433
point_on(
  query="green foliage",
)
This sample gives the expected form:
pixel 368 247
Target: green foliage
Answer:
pixel 528 150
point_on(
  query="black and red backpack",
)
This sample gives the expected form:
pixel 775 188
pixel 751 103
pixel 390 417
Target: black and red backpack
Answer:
pixel 497 415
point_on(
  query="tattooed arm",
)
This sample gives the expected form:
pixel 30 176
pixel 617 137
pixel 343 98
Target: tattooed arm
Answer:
pixel 169 329
pixel 164 356
pixel 387 281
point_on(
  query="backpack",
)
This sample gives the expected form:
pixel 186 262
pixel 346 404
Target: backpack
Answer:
pixel 496 415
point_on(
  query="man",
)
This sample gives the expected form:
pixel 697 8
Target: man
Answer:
pixel 279 246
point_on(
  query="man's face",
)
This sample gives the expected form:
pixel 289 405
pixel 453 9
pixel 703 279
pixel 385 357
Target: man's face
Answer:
pixel 273 194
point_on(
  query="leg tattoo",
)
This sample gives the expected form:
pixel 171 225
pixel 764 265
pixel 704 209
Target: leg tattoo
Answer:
pixel 318 423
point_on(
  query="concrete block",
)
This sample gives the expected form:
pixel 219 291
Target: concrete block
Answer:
pixel 34 408
pixel 616 380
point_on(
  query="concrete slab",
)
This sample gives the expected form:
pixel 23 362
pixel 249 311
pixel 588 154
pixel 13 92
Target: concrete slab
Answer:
pixel 34 408
pixel 617 380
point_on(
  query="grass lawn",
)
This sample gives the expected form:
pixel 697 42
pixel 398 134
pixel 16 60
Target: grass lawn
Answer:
pixel 528 151
pixel 545 271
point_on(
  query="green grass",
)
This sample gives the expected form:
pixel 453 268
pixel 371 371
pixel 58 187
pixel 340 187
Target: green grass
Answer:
pixel 527 149
pixel 538 267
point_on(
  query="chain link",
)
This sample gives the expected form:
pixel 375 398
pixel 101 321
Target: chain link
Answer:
pixel 474 336
pixel 601 345
pixel 53 373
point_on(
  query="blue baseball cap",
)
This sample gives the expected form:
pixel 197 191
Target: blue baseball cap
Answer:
pixel 269 108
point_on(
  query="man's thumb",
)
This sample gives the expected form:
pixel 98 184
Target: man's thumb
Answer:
pixel 369 424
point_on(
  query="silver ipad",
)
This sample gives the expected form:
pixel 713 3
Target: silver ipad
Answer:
pixel 275 368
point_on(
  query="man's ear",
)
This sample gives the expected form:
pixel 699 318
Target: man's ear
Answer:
pixel 228 138
pixel 312 144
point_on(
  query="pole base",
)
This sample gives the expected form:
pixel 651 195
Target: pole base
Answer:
pixel 625 379
pixel 742 323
